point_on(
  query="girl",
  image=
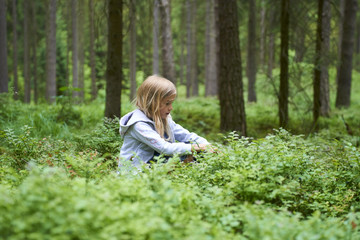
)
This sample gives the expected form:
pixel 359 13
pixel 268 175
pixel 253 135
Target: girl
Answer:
pixel 149 130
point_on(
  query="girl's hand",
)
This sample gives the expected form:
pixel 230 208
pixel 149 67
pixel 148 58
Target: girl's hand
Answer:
pixel 203 147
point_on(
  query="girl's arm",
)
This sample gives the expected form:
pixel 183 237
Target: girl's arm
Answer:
pixel 183 135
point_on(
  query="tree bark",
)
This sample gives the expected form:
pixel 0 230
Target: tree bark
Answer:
pixel 15 51
pixel 132 49
pixel 75 73
pixel 3 49
pixel 81 50
pixel 167 46
pixel 92 51
pixel 324 80
pixel 27 81
pixel 189 58
pixel 194 55
pixel 34 52
pixel 156 38
pixel 347 47
pixel 284 65
pixel 232 108
pixel 51 53
pixel 251 56
pixel 211 86
pixel 262 34
pixel 114 60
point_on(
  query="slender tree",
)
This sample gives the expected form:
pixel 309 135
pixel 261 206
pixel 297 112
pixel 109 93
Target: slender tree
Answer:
pixel 156 38
pixel 262 34
pixel 81 50
pixel 232 108
pixel 34 43
pixel 3 49
pixel 324 79
pixel 194 55
pixel 27 81
pixel 347 47
pixel 92 51
pixel 211 86
pixel 51 53
pixel 114 60
pixel 167 46
pixel 74 30
pixel 251 54
pixel 284 65
pixel 132 49
pixel 15 50
pixel 189 58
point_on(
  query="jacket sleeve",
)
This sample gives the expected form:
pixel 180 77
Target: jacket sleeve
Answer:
pixel 183 135
pixel 144 133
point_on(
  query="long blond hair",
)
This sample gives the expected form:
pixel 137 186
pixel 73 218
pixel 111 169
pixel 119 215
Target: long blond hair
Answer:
pixel 149 97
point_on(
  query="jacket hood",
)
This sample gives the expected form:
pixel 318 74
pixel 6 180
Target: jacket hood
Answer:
pixel 131 118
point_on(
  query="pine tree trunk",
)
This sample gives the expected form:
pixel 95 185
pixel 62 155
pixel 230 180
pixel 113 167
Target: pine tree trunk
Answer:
pixel 81 50
pixel 167 46
pixel 284 65
pixel 92 51
pixel 347 48
pixel 15 51
pixel 34 52
pixel 114 60
pixel 75 73
pixel 194 72
pixel 27 81
pixel 341 26
pixel 51 53
pixel 232 108
pixel 324 81
pixel 132 49
pixel 156 38
pixel 262 34
pixel 189 53
pixel 251 56
pixel 3 49
pixel 317 69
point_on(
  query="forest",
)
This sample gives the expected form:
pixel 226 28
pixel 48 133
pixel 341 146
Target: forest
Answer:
pixel 272 84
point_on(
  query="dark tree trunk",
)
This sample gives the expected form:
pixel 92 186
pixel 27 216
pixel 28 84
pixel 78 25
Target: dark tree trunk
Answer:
pixel 81 50
pixel 347 47
pixel 75 73
pixel 15 51
pixel 324 80
pixel 262 34
pixel 251 54
pixel 51 53
pixel 3 49
pixel 284 65
pixel 132 49
pixel 232 108
pixel 194 72
pixel 156 38
pixel 92 51
pixel 34 52
pixel 27 81
pixel 211 86
pixel 341 26
pixel 114 60
pixel 189 58
pixel 271 43
pixel 167 46
pixel 318 58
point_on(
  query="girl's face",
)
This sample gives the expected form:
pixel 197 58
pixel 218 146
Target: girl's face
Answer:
pixel 166 106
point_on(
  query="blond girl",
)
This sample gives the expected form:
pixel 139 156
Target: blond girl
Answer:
pixel 149 130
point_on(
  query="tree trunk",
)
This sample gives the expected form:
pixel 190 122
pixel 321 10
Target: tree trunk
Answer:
pixel 167 46
pixel 211 86
pixel 262 34
pixel 232 108
pixel 156 38
pixel 75 74
pixel 341 26
pixel 15 51
pixel 251 56
pixel 271 44
pixel 27 81
pixel 284 65
pixel 194 72
pixel 114 60
pixel 347 47
pixel 51 53
pixel 3 49
pixel 81 50
pixel 34 52
pixel 92 51
pixel 189 58
pixel 324 80
pixel 318 58
pixel 132 49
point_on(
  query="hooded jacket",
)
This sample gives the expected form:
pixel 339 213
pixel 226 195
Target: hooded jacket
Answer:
pixel 141 139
